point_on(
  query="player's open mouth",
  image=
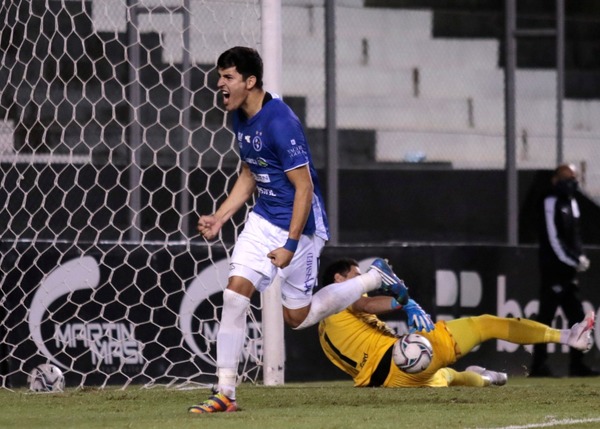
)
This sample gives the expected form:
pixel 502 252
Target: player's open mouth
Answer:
pixel 225 95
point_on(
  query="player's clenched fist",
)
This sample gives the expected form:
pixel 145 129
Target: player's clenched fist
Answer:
pixel 209 226
pixel 280 257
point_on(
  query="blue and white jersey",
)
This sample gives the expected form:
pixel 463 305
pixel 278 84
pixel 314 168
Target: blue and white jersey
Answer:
pixel 272 142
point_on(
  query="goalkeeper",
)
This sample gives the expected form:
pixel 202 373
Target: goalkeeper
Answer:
pixel 360 344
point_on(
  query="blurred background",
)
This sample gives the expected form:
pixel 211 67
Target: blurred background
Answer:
pixel 123 92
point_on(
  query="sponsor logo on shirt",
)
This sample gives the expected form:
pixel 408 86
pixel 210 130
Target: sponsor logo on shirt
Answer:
pixel 262 178
pixel 296 151
pixel 264 191
pixel 259 161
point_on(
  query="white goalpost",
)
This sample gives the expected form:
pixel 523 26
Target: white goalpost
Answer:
pixel 273 337
pixel 112 142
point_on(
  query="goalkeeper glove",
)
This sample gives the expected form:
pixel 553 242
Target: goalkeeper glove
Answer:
pixel 418 319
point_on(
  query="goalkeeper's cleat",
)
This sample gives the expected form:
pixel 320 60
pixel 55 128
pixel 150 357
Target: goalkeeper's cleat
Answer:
pixel 215 404
pixel 580 337
pixel 495 378
pixel 390 283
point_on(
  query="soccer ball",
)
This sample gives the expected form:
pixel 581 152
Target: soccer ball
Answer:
pixel 46 378
pixel 412 353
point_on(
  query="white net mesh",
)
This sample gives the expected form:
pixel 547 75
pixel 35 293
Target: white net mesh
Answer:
pixel 111 143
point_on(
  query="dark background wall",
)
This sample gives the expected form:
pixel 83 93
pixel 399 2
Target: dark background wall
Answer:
pixel 423 217
pixel 506 278
pixel 393 203
pixel 145 286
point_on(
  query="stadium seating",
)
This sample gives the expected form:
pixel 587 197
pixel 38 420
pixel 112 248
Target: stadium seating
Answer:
pixel 405 72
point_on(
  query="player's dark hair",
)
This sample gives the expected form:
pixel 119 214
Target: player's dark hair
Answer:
pixel 341 266
pixel 247 62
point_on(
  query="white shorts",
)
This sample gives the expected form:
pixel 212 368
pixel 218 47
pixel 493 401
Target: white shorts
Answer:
pixel 249 260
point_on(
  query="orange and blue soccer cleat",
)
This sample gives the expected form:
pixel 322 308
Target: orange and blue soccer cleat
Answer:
pixel 217 403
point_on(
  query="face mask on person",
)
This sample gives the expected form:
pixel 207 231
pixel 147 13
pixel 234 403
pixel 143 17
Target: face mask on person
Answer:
pixel 567 187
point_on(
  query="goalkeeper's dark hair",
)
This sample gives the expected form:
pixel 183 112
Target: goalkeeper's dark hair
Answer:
pixel 341 266
pixel 247 62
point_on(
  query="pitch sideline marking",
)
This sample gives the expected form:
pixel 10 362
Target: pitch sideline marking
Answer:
pixel 552 423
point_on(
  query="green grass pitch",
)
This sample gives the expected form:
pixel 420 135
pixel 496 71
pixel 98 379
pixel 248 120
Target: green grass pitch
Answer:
pixel 522 403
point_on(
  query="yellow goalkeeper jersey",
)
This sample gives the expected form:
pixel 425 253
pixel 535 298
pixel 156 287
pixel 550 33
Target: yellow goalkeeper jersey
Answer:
pixel 357 343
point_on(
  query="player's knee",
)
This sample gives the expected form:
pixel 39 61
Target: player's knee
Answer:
pixel 292 322
pixel 483 324
pixel 235 303
pixel 295 317
pixel 483 318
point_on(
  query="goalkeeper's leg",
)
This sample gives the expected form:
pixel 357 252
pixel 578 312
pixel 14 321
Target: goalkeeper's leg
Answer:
pixel 463 378
pixel 469 332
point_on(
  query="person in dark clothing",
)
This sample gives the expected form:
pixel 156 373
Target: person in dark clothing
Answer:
pixel 561 259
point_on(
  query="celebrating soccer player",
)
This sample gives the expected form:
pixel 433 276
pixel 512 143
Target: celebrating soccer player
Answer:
pixel 287 228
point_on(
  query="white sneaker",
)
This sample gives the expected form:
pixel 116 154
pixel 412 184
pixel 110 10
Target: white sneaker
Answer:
pixel 495 378
pixel 580 337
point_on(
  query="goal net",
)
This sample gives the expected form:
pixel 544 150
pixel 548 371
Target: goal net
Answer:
pixel 111 144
